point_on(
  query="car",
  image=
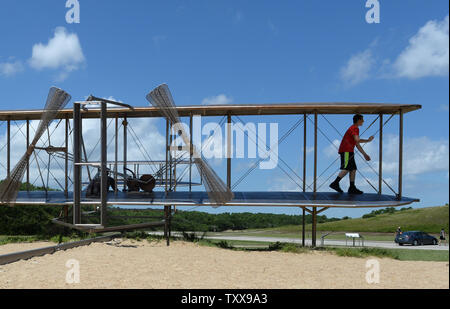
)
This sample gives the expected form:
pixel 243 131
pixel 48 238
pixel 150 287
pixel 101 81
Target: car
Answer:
pixel 415 238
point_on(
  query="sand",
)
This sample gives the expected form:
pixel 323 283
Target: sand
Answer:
pixel 132 264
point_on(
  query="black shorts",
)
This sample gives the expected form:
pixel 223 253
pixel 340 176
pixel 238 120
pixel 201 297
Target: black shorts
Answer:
pixel 348 161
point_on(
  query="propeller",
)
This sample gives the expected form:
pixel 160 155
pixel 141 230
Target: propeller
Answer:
pixel 218 192
pixel 57 99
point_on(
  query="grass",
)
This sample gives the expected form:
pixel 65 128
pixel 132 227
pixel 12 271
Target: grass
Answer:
pixel 397 254
pixel 4 240
pixel 430 220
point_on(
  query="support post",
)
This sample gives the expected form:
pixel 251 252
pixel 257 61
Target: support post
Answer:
pixel 400 159
pixel 167 157
pixel 104 161
pixel 125 135
pixel 315 152
pixel 170 156
pixel 28 161
pixel 167 224
pixel 380 160
pixel 191 150
pixel 229 137
pixel 314 227
pixel 66 158
pixel 116 152
pixel 303 226
pixel 8 148
pixel 304 156
pixel 77 127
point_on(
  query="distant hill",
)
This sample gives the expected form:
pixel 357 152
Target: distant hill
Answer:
pixel 430 220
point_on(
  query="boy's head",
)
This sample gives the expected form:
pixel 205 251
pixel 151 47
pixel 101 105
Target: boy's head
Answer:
pixel 358 120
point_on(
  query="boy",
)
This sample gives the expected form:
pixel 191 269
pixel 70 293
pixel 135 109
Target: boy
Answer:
pixel 347 153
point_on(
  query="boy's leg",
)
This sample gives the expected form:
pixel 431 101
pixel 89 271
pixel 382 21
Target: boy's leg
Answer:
pixel 335 184
pixel 352 189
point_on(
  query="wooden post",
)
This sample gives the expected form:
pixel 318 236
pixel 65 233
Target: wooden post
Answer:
pixel 314 227
pixel 66 158
pixel 167 157
pixel 28 161
pixel 400 160
pixel 104 161
pixel 315 152
pixel 303 226
pixel 8 149
pixel 77 170
pixel 229 141
pixel 304 155
pixel 190 153
pixel 380 160
pixel 116 152
pixel 125 145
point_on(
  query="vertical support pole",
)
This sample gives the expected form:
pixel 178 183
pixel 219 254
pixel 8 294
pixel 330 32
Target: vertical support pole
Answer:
pixel 314 227
pixel 169 225
pixel 104 161
pixel 77 127
pixel 66 167
pixel 8 149
pixel 125 135
pixel 315 152
pixel 229 137
pixel 66 158
pixel 304 155
pixel 167 157
pixel 400 159
pixel 190 153
pixel 380 160
pixel 167 210
pixel 170 157
pixel 303 226
pixel 28 161
pixel 116 152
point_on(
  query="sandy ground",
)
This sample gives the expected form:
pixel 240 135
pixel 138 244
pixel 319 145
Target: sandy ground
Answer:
pixel 131 264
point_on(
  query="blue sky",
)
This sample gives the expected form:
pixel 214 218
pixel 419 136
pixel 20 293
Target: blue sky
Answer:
pixel 247 52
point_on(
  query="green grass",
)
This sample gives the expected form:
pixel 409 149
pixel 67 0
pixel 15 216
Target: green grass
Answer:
pixel 397 254
pixel 430 220
pixel 4 240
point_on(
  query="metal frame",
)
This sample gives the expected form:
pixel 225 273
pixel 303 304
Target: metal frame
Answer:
pixel 79 113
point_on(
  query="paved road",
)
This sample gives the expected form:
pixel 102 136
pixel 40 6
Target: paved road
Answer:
pixel 376 244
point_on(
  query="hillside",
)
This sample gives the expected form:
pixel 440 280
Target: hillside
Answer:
pixel 430 219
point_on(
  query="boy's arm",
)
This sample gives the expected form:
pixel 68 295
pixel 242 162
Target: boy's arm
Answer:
pixel 360 140
pixel 358 145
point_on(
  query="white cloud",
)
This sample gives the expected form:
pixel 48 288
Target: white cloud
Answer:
pixel 427 53
pixel 420 155
pixel 332 149
pixel 10 68
pixel 63 51
pixel 284 183
pixel 358 68
pixel 221 99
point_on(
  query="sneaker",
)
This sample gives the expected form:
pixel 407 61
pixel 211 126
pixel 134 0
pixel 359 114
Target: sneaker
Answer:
pixel 354 190
pixel 335 186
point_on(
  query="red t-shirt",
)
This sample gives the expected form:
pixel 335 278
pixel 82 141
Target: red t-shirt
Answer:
pixel 348 142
